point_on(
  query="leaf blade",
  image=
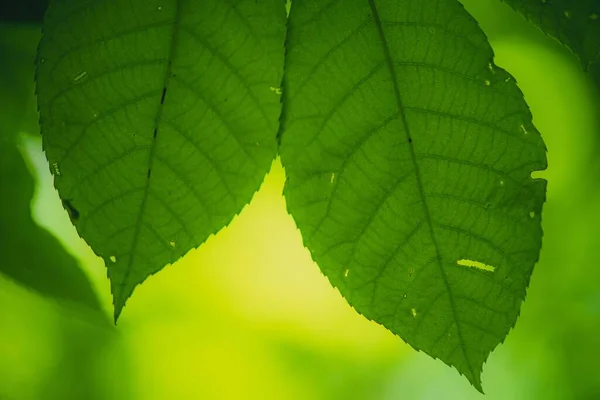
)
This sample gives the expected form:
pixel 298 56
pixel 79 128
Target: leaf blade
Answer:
pixel 378 168
pixel 159 129
pixel 575 24
pixel 32 257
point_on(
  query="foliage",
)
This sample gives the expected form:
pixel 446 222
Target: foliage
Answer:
pixel 31 255
pixel 576 24
pixel 408 152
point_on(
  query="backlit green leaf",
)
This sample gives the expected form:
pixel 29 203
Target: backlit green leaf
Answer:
pixel 409 156
pixel 158 121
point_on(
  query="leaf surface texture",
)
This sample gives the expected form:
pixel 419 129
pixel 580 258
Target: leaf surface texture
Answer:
pixel 158 121
pixel 408 157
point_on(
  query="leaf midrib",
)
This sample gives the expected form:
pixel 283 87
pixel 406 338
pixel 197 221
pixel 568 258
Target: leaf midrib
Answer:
pixel 139 220
pixel 390 62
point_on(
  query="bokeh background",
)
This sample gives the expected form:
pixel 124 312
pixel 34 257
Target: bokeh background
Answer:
pixel 248 315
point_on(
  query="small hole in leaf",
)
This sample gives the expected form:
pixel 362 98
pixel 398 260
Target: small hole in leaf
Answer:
pixel 332 178
pixel 275 90
pixel 346 273
pixel 413 312
pixel 172 243
pixel 475 264
pixel 112 259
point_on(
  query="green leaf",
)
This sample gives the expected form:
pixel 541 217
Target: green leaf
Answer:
pixel 159 121
pixel 576 24
pixel 409 157
pixel 31 256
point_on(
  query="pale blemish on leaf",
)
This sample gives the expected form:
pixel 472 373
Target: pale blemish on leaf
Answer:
pixel 112 259
pixel 172 243
pixel 487 82
pixel 276 90
pixel 594 16
pixel 56 169
pixel 80 76
pixel 346 273
pixel 332 179
pixel 523 129
pixel 532 214
pixel 475 264
pixel 413 312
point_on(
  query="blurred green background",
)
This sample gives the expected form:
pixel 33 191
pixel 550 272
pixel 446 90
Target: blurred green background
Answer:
pixel 249 315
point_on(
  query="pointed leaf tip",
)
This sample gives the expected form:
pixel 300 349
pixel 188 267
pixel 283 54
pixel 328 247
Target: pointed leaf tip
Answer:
pixel 424 136
pixel 127 128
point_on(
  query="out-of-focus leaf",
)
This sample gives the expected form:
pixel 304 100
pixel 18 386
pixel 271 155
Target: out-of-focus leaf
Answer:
pixel 23 11
pixel 159 121
pixel 409 156
pixel 575 23
pixel 31 255
pixel 17 58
